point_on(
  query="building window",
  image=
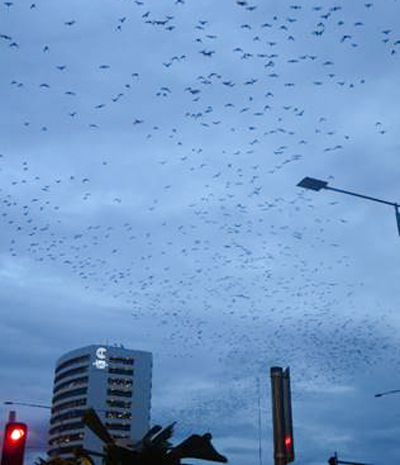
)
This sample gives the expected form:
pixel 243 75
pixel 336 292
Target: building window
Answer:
pixel 68 405
pixel 71 393
pixel 123 384
pixel 121 371
pixel 118 426
pixel 66 439
pixel 120 415
pixel 62 450
pixel 119 393
pixel 120 381
pixel 119 403
pixel 71 384
pixel 122 360
pixel 66 427
pixel 67 416
pixel 73 371
pixel 73 361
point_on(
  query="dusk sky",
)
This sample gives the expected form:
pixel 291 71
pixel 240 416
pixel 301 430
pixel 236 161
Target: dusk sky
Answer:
pixel 150 152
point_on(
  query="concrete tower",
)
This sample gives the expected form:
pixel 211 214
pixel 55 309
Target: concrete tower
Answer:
pixel 115 381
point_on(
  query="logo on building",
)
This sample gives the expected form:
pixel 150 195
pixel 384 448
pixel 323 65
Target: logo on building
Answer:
pixel 100 361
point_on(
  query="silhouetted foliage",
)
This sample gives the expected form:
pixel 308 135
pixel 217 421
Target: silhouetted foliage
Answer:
pixel 154 448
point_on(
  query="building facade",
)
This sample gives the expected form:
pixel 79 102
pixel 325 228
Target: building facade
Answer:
pixel 115 381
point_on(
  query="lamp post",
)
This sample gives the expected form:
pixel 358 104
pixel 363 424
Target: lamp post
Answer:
pixel 381 394
pixel 26 404
pixel 317 185
pixel 47 407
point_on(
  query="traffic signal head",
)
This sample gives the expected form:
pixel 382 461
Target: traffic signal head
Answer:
pixel 282 415
pixel 14 443
pixel 287 417
pixel 289 449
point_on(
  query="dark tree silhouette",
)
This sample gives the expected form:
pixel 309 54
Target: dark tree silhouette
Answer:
pixel 154 448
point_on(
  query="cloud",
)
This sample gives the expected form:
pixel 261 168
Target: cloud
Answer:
pixel 148 169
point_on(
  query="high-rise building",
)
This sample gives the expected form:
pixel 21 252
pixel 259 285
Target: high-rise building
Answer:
pixel 115 381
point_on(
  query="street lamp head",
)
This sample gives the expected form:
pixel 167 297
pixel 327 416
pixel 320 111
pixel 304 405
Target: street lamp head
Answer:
pixel 316 185
pixel 312 184
pixel 381 394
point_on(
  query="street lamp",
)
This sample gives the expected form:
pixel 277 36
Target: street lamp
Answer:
pixel 381 394
pixel 48 407
pixel 316 185
pixel 26 404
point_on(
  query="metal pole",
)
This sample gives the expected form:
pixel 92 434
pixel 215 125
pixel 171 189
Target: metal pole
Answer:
pixel 344 462
pixel 259 421
pixel 381 394
pixel 287 413
pixel 25 404
pixel 393 204
pixel 277 413
pixel 359 195
pixel 396 208
pixel 317 185
pixel 335 460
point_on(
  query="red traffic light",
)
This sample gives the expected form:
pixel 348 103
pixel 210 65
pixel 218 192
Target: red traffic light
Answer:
pixel 14 443
pixel 289 452
pixel 16 433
